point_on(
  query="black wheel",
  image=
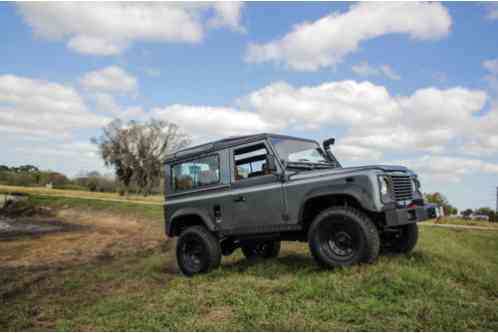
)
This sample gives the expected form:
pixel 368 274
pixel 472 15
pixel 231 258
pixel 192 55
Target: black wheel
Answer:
pixel 404 240
pixel 266 249
pixel 197 251
pixel 343 236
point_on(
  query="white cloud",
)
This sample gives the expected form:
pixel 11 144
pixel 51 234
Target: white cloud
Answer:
pixel 110 79
pixel 41 108
pixel 364 69
pixel 428 120
pixel 227 14
pixel 330 103
pixel 449 168
pixel 491 65
pixel 389 72
pixel 326 41
pixel 205 123
pixel 67 157
pixel 109 28
pixel 347 152
pixel 106 104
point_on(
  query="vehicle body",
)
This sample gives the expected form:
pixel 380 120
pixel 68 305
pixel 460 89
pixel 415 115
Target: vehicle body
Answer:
pixel 254 191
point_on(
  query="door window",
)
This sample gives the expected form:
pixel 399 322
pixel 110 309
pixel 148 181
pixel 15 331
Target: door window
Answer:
pixel 250 162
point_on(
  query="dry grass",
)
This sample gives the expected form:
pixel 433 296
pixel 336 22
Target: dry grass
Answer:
pixel 96 235
pixel 447 284
pixel 153 199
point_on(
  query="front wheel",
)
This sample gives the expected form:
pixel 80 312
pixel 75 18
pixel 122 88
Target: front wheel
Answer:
pixel 343 236
pixel 197 251
pixel 263 249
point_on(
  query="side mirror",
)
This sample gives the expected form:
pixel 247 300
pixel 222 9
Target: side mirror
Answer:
pixel 271 163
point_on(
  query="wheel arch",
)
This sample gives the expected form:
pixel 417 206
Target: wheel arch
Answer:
pixel 317 201
pixel 187 217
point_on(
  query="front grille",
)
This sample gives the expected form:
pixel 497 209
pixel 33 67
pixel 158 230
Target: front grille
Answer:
pixel 401 187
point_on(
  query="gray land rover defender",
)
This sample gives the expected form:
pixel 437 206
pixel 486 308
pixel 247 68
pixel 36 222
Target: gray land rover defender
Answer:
pixel 251 192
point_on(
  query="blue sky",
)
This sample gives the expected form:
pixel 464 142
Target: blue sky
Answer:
pixel 409 83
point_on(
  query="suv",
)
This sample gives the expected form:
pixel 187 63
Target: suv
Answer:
pixel 251 192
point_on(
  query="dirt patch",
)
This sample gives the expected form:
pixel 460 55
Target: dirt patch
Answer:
pixel 72 236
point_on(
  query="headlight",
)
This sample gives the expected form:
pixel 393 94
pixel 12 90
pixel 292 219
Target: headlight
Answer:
pixel 384 188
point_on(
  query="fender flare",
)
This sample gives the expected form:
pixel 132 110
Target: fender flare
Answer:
pixel 352 190
pixel 200 213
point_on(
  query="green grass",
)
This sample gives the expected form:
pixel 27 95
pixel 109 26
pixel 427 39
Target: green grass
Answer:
pixel 469 222
pixel 449 283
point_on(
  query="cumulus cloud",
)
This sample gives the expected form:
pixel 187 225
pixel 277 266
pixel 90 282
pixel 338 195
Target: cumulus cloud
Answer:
pixel 67 157
pixel 206 122
pixel 364 69
pixel 106 104
pixel 109 28
pixel 111 79
pixel 326 41
pixel 448 168
pixel 428 120
pixel 42 108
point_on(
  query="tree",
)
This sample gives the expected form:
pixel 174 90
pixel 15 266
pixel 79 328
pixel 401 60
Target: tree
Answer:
pixel 490 213
pixel 440 200
pixel 466 213
pixel 136 150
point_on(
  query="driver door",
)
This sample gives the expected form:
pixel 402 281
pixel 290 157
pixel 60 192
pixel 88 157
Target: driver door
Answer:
pixel 257 194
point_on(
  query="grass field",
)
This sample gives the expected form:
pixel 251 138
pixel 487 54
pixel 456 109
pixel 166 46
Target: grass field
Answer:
pixel 456 221
pixel 120 275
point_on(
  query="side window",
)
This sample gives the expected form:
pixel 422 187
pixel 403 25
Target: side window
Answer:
pixel 196 173
pixel 250 162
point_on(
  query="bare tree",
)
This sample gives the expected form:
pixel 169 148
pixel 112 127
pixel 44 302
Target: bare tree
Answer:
pixel 136 150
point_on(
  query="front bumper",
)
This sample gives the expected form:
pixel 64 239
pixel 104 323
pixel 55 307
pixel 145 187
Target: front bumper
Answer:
pixel 402 216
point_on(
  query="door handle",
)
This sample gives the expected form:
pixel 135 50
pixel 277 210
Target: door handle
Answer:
pixel 239 198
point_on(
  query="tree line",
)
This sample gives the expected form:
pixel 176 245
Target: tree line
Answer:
pixel 440 200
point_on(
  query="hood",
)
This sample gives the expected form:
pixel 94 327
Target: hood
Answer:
pixel 325 172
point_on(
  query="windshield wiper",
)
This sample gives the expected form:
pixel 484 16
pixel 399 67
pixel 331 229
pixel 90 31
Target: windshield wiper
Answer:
pixel 301 165
pixel 322 164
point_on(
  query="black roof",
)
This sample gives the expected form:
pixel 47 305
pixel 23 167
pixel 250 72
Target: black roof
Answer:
pixel 224 143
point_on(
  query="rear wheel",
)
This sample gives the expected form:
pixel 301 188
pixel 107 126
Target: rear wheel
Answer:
pixel 197 251
pixel 263 249
pixel 343 236
pixel 404 239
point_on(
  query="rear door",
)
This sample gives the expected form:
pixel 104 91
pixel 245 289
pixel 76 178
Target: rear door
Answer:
pixel 257 194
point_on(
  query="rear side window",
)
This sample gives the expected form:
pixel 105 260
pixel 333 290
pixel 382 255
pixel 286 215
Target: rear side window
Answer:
pixel 197 173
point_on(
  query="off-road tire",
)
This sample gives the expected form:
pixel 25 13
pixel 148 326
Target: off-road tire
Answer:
pixel 354 235
pixel 263 249
pixel 204 248
pixel 406 240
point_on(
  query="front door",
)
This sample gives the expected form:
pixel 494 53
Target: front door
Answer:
pixel 257 194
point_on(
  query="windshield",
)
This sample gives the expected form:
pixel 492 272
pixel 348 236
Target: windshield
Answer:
pixel 293 150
